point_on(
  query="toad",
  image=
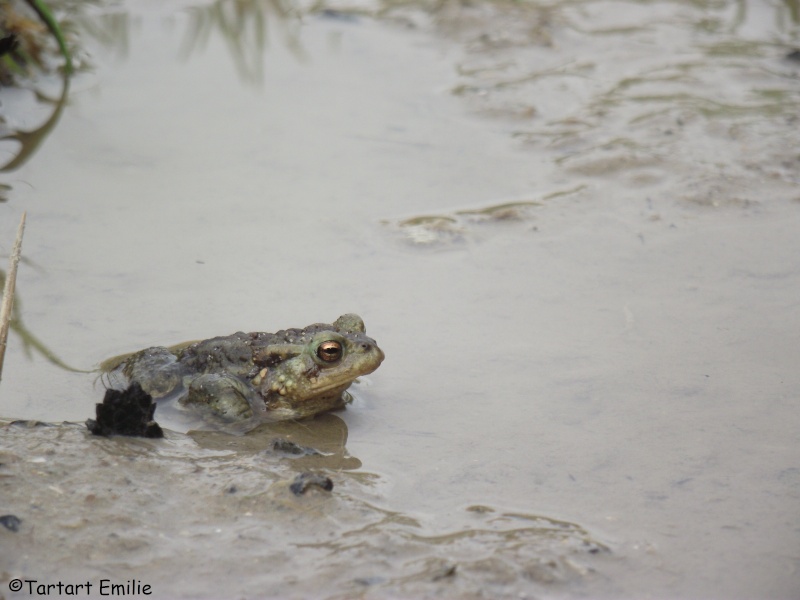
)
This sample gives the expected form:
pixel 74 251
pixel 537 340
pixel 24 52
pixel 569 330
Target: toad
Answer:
pixel 256 377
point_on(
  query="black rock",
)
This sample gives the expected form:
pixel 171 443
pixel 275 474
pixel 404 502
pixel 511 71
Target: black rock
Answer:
pixel 126 412
pixel 10 522
pixel 304 481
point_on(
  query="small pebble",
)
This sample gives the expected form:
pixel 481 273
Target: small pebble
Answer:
pixel 303 481
pixel 10 522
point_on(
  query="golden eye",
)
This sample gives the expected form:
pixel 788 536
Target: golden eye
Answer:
pixel 329 351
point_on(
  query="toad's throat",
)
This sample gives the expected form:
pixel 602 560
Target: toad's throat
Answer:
pixel 317 390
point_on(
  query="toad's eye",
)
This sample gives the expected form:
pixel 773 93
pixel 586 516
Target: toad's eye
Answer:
pixel 329 351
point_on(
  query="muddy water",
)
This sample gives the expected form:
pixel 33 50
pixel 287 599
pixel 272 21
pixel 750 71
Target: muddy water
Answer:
pixel 572 229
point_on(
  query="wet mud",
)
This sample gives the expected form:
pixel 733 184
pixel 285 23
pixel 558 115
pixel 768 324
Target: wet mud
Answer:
pixel 234 515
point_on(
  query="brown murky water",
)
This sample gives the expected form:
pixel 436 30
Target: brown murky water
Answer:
pixel 572 227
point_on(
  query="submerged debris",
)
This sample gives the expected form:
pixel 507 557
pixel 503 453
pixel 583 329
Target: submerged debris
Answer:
pixel 285 446
pixel 29 423
pixel 304 481
pixel 446 570
pixel 463 224
pixel 126 412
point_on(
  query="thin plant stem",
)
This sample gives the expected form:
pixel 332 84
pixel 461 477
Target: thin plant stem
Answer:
pixel 8 292
pixel 51 23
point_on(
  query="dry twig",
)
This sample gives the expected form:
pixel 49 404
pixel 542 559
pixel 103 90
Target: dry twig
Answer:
pixel 8 291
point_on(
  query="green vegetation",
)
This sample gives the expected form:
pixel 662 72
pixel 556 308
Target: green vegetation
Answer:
pixel 23 39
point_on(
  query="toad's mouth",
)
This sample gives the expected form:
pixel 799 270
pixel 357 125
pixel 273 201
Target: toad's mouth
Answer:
pixel 317 389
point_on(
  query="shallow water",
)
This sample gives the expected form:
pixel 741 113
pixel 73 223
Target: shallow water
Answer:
pixel 572 228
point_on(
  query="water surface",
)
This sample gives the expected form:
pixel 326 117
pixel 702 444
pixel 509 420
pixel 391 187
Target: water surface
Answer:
pixel 571 227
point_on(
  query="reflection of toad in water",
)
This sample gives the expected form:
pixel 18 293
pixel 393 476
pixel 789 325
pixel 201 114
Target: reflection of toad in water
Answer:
pixel 315 444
